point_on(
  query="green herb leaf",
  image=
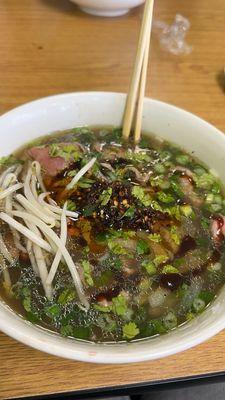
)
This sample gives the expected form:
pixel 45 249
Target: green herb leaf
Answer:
pixel 174 235
pixel 81 332
pixel 142 247
pixel 206 296
pixel 66 296
pixel 119 305
pixel 160 259
pixel 205 181
pixel 165 197
pixel 105 196
pixel 53 311
pixel 116 247
pixel 130 212
pixel 183 159
pixel 105 309
pixel 8 160
pixel 139 193
pixel 85 183
pixel 67 151
pixel 88 211
pixel 169 269
pixel 66 330
pixel 141 156
pixel 186 210
pixel 149 267
pixel 87 272
pixel 130 330
pixel 27 304
pixel 155 237
pixel 71 206
pixel 170 320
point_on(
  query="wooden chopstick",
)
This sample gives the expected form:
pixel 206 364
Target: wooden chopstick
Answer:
pixel 138 79
pixel 141 94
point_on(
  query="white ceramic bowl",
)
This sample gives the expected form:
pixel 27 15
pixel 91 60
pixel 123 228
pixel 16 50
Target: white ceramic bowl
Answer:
pixel 76 109
pixel 107 8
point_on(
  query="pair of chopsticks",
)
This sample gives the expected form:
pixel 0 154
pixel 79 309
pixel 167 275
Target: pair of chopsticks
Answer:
pixel 135 98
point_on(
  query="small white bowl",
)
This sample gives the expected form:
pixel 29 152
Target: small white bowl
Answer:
pixel 77 109
pixel 107 8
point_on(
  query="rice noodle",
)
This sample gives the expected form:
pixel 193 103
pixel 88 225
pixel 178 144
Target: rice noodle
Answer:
pixel 16 236
pixel 6 172
pixel 33 186
pixel 40 260
pixel 30 197
pixel 25 231
pixel 82 171
pixel 18 170
pixel 5 251
pixel 7 279
pixel 58 242
pixel 9 180
pixel 10 190
pixel 31 256
pixel 37 166
pixel 31 207
pixel 53 206
pixel 63 237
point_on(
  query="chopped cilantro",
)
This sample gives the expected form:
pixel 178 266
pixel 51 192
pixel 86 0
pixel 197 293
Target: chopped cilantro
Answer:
pixel 116 247
pixel 87 272
pixel 170 320
pixel 169 269
pixel 139 193
pixel 85 183
pixel 155 237
pixel 105 309
pixel 174 235
pixel 130 330
pixel 206 296
pixel 71 206
pixel 66 330
pixel 183 159
pixel 141 156
pixel 8 160
pixel 119 305
pixel 105 196
pixel 149 267
pixel 165 197
pixel 27 304
pixel 88 210
pixel 205 181
pixel 176 187
pixel 53 311
pixel 160 259
pixel 66 296
pixel 186 210
pixel 67 151
pixel 142 247
pixel 130 212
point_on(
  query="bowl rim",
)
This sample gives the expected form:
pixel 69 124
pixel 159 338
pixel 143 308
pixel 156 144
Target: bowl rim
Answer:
pixel 41 339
